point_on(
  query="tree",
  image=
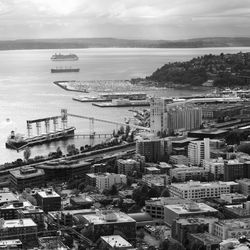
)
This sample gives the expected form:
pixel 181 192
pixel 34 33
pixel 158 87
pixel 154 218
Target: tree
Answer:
pixel 127 130
pixel 140 234
pixel 27 154
pixel 59 152
pixel 121 130
pixel 113 190
pixel 165 193
pixel 71 149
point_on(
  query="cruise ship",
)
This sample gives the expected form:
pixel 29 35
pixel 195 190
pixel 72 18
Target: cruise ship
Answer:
pixel 61 57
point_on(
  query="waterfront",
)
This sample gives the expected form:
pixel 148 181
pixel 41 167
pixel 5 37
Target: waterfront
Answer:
pixel 27 90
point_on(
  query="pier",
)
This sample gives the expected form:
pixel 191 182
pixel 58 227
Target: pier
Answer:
pixel 94 135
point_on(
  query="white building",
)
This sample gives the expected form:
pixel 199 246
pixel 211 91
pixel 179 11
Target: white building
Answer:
pixel 156 180
pixel 199 190
pixel 244 185
pixel 127 166
pixel 178 159
pixel 215 167
pixel 233 228
pixel 198 151
pixel 169 116
pixel 107 180
pixel 189 173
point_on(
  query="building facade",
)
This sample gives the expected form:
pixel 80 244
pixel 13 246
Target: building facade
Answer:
pixel 198 151
pixel 199 190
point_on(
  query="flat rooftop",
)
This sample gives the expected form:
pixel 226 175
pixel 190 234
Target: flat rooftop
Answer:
pixel 48 194
pixel 235 223
pixel 208 131
pixel 27 173
pixel 100 218
pixel 245 181
pixel 196 220
pixel 4 243
pixel 198 184
pixel 26 222
pixel 166 201
pixel 207 238
pixel 152 169
pixel 16 205
pixel 7 197
pixel 116 241
pixel 184 208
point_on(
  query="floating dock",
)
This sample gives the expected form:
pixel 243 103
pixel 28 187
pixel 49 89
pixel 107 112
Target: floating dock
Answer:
pixel 90 99
pixel 122 104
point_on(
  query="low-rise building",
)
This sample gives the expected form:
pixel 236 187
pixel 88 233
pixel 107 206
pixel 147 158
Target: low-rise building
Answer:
pixel 26 229
pixel 233 198
pixel 244 186
pixel 106 222
pixel 215 167
pixel 182 227
pixel 199 190
pixel 164 168
pixel 152 170
pixel 107 180
pixel 173 212
pixel 114 242
pixel 9 211
pixel 155 206
pixel 81 201
pixel 48 200
pixel 11 244
pixel 233 243
pixel 34 213
pixel 27 177
pixel 189 173
pixel 127 166
pixel 204 241
pixel 7 197
pixel 237 211
pixel 178 159
pixel 159 181
pixel 232 228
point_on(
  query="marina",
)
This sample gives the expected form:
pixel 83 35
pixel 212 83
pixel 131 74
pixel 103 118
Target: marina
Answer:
pixel 64 85
pixel 109 97
pixel 42 98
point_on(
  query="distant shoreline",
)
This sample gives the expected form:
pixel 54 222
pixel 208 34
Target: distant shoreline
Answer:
pixel 87 43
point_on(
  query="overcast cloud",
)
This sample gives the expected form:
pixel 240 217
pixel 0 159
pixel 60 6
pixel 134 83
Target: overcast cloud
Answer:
pixel 146 19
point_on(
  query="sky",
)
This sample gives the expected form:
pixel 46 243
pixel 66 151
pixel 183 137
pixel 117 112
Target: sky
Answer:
pixel 132 19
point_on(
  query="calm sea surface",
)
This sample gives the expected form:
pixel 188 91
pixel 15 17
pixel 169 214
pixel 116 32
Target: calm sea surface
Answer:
pixel 27 90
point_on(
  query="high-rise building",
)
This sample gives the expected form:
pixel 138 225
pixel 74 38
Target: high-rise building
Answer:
pixel 127 166
pixel 49 200
pixel 153 150
pixel 234 169
pixel 198 151
pixel 168 116
pixel 27 177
